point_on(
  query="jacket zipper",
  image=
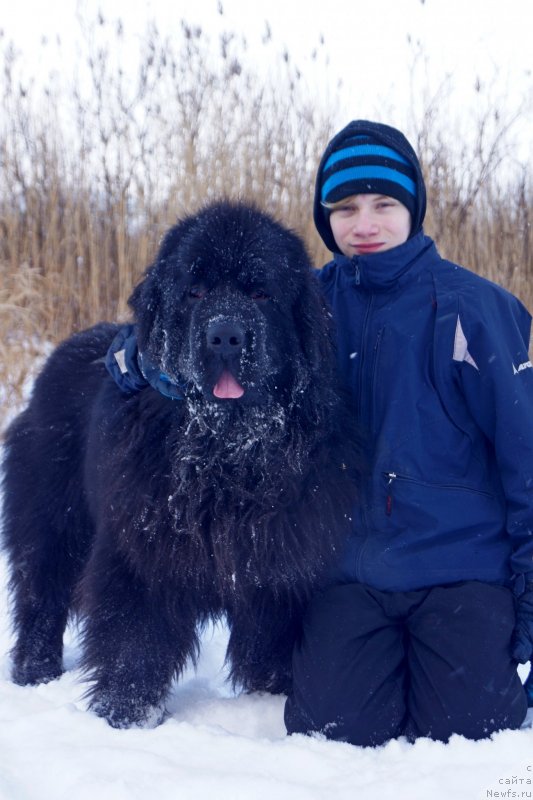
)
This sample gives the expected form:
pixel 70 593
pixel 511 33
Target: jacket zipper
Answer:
pixel 363 412
pixel 363 357
pixel 388 501
pixel 361 378
pixel 372 382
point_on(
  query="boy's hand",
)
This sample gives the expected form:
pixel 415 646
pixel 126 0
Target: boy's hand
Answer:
pixel 522 644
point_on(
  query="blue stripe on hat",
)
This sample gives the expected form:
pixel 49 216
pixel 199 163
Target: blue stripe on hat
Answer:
pixel 363 151
pixel 370 172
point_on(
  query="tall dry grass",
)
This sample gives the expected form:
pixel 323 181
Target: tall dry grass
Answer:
pixel 480 197
pixel 93 170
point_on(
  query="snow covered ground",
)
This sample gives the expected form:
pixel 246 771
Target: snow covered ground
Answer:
pixel 216 744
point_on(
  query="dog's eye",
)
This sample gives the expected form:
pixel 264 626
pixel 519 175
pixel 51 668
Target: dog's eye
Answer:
pixel 259 294
pixel 197 292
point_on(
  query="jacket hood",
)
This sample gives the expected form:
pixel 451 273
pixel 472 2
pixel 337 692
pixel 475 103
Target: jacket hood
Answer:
pixel 385 135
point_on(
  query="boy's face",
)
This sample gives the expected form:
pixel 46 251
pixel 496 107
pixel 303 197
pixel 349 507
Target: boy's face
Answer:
pixel 369 223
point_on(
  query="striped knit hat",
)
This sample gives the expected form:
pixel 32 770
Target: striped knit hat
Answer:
pixel 369 158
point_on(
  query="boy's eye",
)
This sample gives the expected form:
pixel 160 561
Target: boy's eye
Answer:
pixel 344 210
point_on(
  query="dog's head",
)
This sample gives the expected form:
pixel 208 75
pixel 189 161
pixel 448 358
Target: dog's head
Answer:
pixel 231 308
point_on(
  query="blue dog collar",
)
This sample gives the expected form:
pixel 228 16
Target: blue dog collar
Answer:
pixel 133 371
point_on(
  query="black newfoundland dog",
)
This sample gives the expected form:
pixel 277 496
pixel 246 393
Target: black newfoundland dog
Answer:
pixel 195 464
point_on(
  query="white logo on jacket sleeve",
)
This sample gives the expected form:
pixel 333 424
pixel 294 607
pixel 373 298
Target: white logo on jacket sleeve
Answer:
pixel 520 367
pixel 460 346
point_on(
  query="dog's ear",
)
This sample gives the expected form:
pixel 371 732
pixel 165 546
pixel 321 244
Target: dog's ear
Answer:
pixel 147 298
pixel 146 302
pixel 315 326
pixel 316 390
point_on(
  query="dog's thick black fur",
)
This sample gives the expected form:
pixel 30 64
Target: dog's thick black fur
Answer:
pixel 147 515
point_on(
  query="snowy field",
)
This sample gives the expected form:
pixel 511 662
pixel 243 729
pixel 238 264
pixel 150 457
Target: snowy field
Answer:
pixel 217 745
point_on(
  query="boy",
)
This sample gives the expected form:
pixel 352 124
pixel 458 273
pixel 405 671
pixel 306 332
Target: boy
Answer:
pixel 421 627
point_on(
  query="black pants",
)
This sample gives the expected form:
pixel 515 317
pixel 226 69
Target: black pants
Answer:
pixel 374 665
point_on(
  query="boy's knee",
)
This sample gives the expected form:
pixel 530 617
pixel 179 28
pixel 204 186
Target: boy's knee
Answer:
pixel 476 720
pixel 360 729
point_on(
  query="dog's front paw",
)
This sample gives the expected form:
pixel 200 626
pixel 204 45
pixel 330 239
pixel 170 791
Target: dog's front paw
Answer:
pixel 126 712
pixel 32 671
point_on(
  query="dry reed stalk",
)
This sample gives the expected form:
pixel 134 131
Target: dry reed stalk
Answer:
pixel 89 182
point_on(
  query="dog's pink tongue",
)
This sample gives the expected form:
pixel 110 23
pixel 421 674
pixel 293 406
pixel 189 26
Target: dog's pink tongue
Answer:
pixel 227 387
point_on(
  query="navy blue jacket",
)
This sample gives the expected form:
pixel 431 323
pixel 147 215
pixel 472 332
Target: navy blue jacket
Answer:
pixel 436 361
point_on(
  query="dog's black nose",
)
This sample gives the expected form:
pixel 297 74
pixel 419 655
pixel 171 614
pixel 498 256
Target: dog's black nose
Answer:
pixel 225 337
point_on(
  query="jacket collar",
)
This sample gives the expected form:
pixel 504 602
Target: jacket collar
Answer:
pixel 381 272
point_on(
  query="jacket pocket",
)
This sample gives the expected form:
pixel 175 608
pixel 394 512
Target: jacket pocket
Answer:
pixel 395 481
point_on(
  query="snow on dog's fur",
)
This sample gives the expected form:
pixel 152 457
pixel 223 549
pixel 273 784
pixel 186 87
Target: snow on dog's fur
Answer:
pixel 147 515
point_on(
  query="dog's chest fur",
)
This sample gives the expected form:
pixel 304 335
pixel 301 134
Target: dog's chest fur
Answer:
pixel 226 484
